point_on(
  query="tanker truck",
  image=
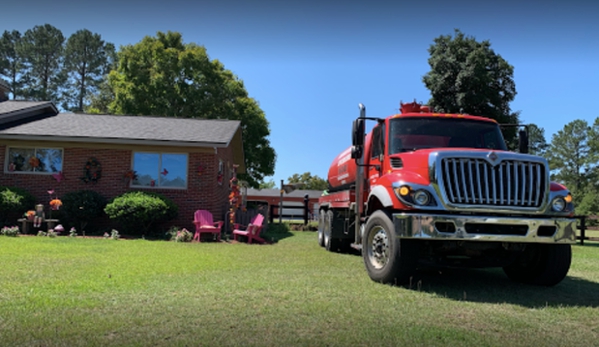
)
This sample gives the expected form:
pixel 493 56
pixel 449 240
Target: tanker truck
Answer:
pixel 443 190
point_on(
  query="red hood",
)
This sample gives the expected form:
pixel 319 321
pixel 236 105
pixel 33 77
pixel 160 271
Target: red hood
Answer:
pixel 419 158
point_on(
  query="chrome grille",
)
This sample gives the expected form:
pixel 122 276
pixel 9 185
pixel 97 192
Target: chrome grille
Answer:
pixel 471 181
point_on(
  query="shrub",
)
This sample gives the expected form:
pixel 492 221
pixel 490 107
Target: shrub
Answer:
pixel 183 235
pixel 137 211
pixel 114 234
pixel 83 206
pixel 10 231
pixel 14 201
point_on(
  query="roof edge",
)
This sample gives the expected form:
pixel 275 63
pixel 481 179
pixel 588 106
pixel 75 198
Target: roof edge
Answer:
pixel 114 141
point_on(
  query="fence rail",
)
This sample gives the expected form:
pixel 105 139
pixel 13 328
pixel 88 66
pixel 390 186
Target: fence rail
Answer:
pixel 583 228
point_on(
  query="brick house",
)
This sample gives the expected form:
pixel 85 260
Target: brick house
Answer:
pixel 187 160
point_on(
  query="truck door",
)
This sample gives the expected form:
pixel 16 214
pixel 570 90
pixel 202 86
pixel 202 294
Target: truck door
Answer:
pixel 377 153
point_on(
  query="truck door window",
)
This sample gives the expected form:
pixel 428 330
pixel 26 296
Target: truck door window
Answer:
pixel 377 141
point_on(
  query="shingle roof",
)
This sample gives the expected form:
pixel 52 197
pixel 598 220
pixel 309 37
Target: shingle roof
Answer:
pixel 17 110
pixel 127 129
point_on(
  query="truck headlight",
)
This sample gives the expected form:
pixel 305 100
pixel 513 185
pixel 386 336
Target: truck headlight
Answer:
pixel 421 197
pixel 414 196
pixel 558 204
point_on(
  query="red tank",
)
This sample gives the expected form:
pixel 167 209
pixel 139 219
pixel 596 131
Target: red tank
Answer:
pixel 342 172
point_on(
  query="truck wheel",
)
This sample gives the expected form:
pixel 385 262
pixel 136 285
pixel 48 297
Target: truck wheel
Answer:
pixel 541 264
pixel 331 244
pixel 321 216
pixel 388 259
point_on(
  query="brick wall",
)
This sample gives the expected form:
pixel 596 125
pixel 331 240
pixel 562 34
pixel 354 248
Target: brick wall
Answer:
pixel 203 190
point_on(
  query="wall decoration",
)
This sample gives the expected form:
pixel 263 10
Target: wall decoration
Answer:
pixel 34 162
pixel 59 176
pixel 92 171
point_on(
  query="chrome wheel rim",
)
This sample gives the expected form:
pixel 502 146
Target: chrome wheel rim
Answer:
pixel 378 248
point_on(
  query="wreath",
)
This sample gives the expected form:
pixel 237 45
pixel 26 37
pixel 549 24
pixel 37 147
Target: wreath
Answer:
pixel 92 171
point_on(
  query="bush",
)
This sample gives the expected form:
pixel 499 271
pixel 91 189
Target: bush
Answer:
pixel 14 201
pixel 10 231
pixel 180 235
pixel 83 206
pixel 137 211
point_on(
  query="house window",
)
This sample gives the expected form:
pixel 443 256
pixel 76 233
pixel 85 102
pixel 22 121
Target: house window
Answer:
pixel 39 160
pixel 164 170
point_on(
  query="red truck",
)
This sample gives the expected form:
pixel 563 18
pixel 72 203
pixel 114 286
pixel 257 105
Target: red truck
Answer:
pixel 443 189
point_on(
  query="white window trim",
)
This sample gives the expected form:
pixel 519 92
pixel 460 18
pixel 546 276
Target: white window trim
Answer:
pixel 35 148
pixel 131 185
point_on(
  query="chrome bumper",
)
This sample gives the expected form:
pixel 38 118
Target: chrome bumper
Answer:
pixel 485 228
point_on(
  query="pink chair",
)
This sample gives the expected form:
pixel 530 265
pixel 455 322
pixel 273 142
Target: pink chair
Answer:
pixel 205 225
pixel 252 232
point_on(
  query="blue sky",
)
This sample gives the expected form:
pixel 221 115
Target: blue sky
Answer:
pixel 310 63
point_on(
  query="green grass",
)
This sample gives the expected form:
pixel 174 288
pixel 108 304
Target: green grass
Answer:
pixel 96 292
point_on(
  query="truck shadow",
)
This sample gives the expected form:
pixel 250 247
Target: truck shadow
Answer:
pixel 492 286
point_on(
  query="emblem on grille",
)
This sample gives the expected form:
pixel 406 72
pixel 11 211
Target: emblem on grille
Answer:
pixel 492 156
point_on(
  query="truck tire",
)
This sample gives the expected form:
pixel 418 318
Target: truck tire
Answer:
pixel 321 216
pixel 331 244
pixel 541 264
pixel 388 259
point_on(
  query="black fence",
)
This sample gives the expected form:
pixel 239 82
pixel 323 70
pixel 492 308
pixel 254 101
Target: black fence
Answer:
pixel 244 218
pixel 583 228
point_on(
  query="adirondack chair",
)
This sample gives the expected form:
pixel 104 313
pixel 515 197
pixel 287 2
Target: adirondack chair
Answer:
pixel 205 225
pixel 252 232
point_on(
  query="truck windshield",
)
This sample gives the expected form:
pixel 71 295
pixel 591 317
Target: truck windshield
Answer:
pixel 413 133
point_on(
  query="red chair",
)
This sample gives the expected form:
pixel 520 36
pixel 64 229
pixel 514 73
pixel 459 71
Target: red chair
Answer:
pixel 205 225
pixel 252 232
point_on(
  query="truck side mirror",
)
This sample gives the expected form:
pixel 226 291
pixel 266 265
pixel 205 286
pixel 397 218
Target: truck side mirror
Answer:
pixel 522 141
pixel 356 152
pixel 358 132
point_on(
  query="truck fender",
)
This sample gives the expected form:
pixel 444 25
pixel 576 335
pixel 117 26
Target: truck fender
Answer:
pixel 382 194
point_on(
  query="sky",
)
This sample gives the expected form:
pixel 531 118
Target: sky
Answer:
pixel 310 63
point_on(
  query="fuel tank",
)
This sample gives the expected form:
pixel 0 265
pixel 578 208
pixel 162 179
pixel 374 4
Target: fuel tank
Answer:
pixel 342 173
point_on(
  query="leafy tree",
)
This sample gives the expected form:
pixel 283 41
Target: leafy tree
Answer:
pixel 11 63
pixel 309 182
pixel 87 60
pixel 42 52
pixel 570 158
pixel 99 102
pixel 267 185
pixel 467 76
pixel 536 139
pixel 163 76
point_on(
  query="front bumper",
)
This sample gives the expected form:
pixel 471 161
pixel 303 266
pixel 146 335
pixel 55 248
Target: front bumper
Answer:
pixel 485 228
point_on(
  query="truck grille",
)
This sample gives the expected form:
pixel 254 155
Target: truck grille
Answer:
pixel 511 183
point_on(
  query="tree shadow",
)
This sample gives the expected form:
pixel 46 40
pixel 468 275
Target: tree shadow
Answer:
pixel 493 286
pixel 275 232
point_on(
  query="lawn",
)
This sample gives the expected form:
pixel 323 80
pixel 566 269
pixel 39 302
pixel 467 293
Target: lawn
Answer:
pixel 96 292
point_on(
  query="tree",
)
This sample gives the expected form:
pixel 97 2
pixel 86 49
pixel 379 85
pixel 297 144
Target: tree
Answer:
pixel 163 76
pixel 570 158
pixel 86 61
pixel 536 139
pixel 11 63
pixel 42 49
pixel 467 76
pixel 267 185
pixel 309 182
